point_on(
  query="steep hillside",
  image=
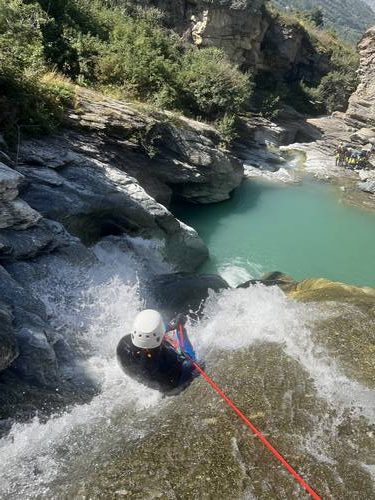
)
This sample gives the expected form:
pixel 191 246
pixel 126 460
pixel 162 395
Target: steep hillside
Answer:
pixel 150 55
pixel 350 17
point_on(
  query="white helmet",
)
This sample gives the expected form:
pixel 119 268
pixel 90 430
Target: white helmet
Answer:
pixel 148 329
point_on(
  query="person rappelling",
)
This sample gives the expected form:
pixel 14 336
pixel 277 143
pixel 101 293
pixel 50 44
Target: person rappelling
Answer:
pixel 163 358
pixel 156 355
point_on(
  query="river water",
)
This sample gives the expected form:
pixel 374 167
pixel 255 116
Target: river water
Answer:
pixel 304 230
pixel 129 442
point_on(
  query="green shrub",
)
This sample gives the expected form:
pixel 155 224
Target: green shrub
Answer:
pixel 31 107
pixel 141 58
pixel 28 105
pixel 21 42
pixel 334 91
pixel 270 106
pixel 227 126
pixel 211 85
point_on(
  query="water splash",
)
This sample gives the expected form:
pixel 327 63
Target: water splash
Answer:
pixel 240 318
pixel 94 306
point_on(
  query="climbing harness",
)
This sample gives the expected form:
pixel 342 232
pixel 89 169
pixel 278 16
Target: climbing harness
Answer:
pixel 251 426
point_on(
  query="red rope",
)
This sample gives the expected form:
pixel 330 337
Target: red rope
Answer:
pixel 273 450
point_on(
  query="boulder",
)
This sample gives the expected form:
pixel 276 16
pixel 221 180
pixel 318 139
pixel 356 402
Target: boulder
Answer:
pixel 364 136
pixel 36 361
pixel 17 214
pixel 176 293
pixel 9 183
pixel 14 212
pixel 189 160
pixel 44 237
pixel 367 186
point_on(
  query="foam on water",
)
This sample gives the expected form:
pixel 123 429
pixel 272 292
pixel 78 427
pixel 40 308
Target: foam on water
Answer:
pixel 239 318
pixel 238 271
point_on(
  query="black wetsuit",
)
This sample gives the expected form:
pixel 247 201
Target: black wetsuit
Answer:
pixel 161 368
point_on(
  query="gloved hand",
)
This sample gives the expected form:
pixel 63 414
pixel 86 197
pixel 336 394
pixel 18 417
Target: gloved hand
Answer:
pixel 180 319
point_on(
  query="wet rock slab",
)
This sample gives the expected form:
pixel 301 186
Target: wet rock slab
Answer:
pixel 181 292
pixel 197 448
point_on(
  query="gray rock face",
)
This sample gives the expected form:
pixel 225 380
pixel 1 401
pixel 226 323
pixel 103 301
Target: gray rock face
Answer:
pixel 107 177
pixel 8 342
pixel 36 361
pixel 42 238
pixel 248 34
pixel 361 108
pixel 237 27
pixel 288 53
pixel 193 165
pixel 94 199
pixel 161 151
pixel 14 212
pixel 9 183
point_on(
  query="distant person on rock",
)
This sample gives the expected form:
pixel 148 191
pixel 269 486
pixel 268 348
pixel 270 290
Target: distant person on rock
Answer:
pixel 340 154
pixel 158 356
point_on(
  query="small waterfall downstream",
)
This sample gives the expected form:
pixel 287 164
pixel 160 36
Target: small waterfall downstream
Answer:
pixel 246 337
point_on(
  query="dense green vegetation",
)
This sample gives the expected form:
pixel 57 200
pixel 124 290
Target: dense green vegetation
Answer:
pixel 46 47
pixel 110 46
pixel 349 17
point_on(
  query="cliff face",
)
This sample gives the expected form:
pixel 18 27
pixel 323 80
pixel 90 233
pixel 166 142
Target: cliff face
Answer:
pixel 237 27
pixel 250 37
pixel 362 103
pixel 356 127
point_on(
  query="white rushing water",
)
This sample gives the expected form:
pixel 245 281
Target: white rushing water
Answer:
pixel 95 308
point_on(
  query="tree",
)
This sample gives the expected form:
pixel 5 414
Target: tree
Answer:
pixel 211 85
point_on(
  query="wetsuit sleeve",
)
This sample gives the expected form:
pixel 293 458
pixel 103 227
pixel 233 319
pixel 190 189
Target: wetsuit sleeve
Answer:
pixel 184 342
pixel 180 319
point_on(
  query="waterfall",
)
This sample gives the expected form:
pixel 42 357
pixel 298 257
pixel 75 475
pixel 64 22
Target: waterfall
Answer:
pixel 95 307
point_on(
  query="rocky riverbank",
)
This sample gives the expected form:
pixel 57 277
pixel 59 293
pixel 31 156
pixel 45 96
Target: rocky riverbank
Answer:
pixel 356 126
pixel 311 143
pixel 111 172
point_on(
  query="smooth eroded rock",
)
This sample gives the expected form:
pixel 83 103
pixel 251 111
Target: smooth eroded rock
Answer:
pixel 9 183
pixel 181 292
